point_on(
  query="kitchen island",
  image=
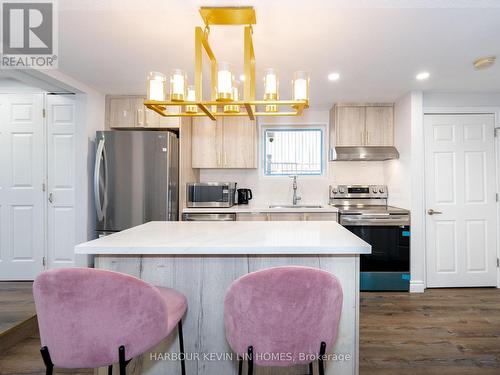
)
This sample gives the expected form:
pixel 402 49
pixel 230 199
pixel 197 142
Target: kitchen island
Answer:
pixel 201 259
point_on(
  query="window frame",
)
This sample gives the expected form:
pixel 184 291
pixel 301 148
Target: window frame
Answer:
pixel 293 127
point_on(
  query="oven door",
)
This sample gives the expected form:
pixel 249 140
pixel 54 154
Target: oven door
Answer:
pixel 388 266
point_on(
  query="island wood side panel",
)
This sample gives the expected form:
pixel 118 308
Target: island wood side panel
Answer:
pixel 204 280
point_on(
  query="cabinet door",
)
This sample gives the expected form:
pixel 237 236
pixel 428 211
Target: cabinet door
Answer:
pixel 122 113
pixel 320 216
pixel 206 145
pixel 170 122
pixel 286 216
pixel 379 126
pixel 239 143
pixel 252 216
pixel 350 126
pixel 155 120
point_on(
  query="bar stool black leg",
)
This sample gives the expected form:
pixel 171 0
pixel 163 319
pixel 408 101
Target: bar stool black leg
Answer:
pixel 250 360
pixel 240 365
pixel 110 370
pixel 123 363
pixel 181 348
pixel 321 365
pixel 49 366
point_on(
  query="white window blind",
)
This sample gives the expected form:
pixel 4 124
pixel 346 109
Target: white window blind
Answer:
pixel 293 152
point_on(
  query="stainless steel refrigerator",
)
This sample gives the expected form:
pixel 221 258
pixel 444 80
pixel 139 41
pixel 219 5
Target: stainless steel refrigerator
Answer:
pixel 136 178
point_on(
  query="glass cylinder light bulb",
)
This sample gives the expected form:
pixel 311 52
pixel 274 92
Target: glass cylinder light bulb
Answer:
pixel 300 86
pixel 271 84
pixel 157 86
pixel 224 82
pixel 191 97
pixel 178 86
pixel 234 108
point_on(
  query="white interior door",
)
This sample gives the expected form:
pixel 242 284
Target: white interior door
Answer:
pixel 22 241
pixel 460 189
pixel 61 235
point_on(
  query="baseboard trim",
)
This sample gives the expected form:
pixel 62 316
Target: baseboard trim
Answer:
pixel 417 286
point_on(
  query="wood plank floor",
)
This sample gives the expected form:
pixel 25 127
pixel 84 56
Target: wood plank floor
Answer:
pixel 442 331
pixel 16 303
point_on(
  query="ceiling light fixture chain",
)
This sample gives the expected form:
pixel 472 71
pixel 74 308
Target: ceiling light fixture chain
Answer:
pixel 226 94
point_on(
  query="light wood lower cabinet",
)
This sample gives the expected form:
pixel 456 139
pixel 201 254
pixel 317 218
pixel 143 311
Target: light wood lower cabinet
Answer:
pixel 252 216
pixel 286 216
pixel 323 216
pixel 226 143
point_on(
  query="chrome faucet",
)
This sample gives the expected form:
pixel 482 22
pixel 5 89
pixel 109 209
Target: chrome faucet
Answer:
pixel 294 186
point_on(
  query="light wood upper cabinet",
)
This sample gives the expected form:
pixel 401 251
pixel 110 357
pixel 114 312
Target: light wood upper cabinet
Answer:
pixel 121 113
pixel 362 125
pixel 379 126
pixel 229 142
pixel 350 131
pixel 239 143
pixel 206 143
pixel 129 112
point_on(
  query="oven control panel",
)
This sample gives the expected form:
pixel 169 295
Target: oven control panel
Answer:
pixel 358 191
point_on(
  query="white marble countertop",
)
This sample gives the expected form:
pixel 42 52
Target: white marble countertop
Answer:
pixel 250 208
pixel 230 237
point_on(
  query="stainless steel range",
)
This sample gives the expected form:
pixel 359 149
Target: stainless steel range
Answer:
pixel 364 211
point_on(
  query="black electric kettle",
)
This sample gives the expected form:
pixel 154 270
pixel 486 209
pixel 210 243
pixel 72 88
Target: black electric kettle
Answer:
pixel 244 195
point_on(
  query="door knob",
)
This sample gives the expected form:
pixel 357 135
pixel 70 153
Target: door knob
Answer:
pixel 430 211
pixel 51 198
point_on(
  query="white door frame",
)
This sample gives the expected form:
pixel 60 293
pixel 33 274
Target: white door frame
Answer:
pixel 467 111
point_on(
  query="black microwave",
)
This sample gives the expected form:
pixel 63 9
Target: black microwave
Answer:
pixel 210 194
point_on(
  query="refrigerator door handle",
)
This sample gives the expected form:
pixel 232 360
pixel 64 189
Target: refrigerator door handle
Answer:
pixel 97 173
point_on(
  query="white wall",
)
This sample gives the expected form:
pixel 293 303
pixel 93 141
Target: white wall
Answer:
pixel 404 178
pixel 397 173
pixel 313 189
pixel 461 99
pixel 13 86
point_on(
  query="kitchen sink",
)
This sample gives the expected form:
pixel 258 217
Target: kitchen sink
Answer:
pixel 292 206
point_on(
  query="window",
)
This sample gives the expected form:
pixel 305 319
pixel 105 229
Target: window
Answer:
pixel 293 152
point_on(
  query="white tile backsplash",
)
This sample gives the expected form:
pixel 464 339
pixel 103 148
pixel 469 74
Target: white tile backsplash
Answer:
pixel 312 189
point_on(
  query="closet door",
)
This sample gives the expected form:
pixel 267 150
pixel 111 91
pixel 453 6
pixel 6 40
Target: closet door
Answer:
pixel 61 224
pixel 22 242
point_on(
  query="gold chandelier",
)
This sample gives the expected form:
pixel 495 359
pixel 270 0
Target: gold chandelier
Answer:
pixel 226 99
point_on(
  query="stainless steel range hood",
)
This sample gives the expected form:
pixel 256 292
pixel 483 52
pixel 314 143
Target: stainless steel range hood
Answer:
pixel 368 153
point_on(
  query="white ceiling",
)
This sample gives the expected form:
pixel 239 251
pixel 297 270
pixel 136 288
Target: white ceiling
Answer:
pixel 376 46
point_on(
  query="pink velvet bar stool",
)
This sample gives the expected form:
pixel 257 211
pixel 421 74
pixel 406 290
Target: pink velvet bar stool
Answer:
pixel 91 318
pixel 289 311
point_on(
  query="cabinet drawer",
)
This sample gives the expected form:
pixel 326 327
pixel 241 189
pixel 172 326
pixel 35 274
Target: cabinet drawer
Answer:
pixel 286 216
pixel 323 216
pixel 252 216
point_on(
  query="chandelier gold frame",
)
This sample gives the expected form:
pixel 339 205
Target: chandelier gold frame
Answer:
pixel 212 108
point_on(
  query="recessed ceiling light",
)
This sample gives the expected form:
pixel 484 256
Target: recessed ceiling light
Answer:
pixel 333 76
pixel 484 62
pixel 242 78
pixel 422 76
